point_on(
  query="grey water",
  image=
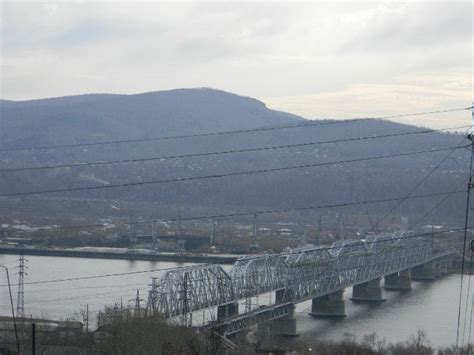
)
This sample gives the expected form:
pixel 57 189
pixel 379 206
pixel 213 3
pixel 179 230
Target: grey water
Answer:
pixel 431 306
pixel 56 299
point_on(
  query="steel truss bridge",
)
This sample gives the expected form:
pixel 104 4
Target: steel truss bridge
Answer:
pixel 294 276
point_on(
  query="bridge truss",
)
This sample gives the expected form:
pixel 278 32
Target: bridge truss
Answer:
pixel 295 275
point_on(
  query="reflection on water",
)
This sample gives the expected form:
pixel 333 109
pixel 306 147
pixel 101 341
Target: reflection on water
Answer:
pixel 431 306
pixel 64 299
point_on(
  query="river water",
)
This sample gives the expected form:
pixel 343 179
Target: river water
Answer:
pixel 431 306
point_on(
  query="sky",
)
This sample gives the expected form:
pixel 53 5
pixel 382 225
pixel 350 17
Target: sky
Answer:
pixel 316 59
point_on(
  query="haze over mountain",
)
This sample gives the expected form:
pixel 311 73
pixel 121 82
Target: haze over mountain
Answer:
pixel 103 117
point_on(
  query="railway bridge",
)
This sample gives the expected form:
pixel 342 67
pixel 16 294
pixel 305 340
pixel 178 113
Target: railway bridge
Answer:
pixel 230 301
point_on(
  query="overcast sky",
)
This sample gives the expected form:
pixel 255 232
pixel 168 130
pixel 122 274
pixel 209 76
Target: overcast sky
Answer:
pixel 339 59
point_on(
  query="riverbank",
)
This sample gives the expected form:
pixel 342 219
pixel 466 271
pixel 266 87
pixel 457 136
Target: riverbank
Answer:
pixel 135 333
pixel 121 253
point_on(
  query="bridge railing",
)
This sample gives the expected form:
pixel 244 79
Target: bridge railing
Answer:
pixel 296 275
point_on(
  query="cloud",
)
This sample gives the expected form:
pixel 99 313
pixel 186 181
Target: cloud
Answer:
pixel 265 50
pixel 433 91
pixel 415 26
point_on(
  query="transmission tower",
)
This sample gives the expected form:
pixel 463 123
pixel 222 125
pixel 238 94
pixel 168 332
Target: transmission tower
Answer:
pixel 180 228
pixel 20 305
pixel 137 301
pixel 254 243
pixel 212 239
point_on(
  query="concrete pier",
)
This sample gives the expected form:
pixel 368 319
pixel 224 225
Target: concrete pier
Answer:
pixel 285 327
pixel 329 306
pixel 398 281
pixel 369 291
pixel 450 264
pixel 424 272
pixel 442 268
pixel 227 310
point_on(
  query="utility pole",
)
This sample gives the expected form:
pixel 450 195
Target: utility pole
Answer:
pixel 254 243
pixel 320 229
pixel 20 305
pixel 87 318
pixel 153 236
pixel 121 310
pixel 12 308
pixel 152 229
pixel 212 240
pixel 470 136
pixel 339 230
pixel 137 301
pixel 132 225
pixel 33 338
pixel 180 228
pixel 132 237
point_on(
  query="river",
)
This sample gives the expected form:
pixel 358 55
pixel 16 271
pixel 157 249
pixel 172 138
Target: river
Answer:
pixel 431 306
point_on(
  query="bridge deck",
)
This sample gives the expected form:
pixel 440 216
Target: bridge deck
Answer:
pixel 294 276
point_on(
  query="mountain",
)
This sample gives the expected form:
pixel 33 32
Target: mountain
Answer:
pixel 89 118
pixel 95 118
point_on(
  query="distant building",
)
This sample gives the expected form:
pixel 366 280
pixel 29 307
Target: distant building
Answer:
pixel 431 227
pixel 264 232
pixel 169 243
pixel 285 232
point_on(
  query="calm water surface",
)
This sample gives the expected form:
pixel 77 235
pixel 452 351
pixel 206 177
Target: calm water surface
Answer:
pixel 431 306
pixel 66 299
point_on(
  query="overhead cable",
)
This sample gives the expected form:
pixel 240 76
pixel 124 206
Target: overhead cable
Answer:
pixel 362 242
pixel 233 151
pixel 209 134
pixel 216 176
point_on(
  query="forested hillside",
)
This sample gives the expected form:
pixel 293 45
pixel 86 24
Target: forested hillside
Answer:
pixel 96 118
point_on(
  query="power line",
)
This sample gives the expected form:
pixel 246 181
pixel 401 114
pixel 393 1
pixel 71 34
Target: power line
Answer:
pixel 249 213
pixel 93 295
pixel 417 185
pixel 466 221
pixel 84 287
pixel 440 202
pixel 469 187
pixel 452 230
pixel 181 156
pixel 215 176
pixel 102 276
pixel 125 141
pixel 472 295
pixel 297 209
pixel 208 134
pixel 466 311
pixel 86 296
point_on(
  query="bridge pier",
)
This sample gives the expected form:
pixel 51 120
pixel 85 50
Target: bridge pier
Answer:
pixel 398 280
pixel 329 306
pixel 450 264
pixel 424 272
pixel 369 291
pixel 227 310
pixel 442 268
pixel 285 326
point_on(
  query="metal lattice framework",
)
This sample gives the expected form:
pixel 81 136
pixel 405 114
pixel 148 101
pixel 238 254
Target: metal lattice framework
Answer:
pixel 190 289
pixel 295 275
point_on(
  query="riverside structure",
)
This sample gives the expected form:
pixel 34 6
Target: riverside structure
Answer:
pixel 297 275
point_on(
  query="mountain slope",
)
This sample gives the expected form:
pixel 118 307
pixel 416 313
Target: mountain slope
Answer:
pixel 87 118
pixel 92 118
